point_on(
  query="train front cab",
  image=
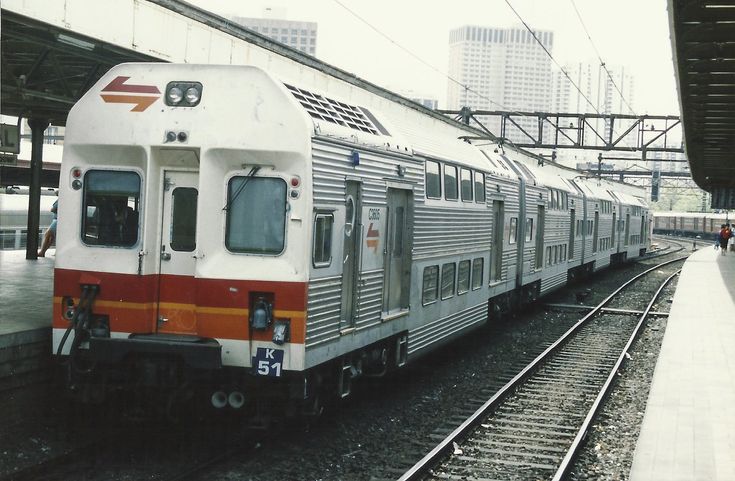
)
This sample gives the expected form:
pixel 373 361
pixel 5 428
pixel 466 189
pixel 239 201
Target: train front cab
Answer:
pixel 181 257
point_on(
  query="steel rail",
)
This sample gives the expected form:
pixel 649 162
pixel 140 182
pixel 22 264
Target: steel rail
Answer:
pixel 566 463
pixel 418 470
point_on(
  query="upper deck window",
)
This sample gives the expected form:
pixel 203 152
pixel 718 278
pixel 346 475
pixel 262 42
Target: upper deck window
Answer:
pixel 433 182
pixel 110 215
pixel 466 184
pixel 450 182
pixel 256 217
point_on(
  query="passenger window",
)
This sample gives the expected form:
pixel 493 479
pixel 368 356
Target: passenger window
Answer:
pixel 322 255
pixel 450 182
pixel 184 219
pixel 430 286
pixel 448 271
pixel 111 210
pixel 463 277
pixel 477 273
pixel 513 235
pixel 529 229
pixel 256 215
pixel 398 232
pixel 466 184
pixel 433 182
pixel 479 187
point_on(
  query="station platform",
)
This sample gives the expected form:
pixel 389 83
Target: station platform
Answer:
pixel 688 431
pixel 26 292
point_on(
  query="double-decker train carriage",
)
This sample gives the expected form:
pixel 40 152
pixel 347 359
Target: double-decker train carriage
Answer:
pixel 251 239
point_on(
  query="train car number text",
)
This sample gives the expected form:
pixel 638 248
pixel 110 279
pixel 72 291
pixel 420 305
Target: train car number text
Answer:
pixel 268 362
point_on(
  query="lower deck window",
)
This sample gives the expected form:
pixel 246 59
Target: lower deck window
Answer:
pixel 256 215
pixel 322 255
pixel 478 265
pixel 430 287
pixel 463 277
pixel 448 271
pixel 111 209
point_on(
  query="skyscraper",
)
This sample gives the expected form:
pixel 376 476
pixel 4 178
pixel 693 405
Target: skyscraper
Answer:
pixel 598 93
pixel 299 35
pixel 597 87
pixel 499 69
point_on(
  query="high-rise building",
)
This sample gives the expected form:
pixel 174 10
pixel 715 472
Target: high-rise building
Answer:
pixel 597 94
pixel 602 95
pixel 299 35
pixel 499 68
pixel 420 98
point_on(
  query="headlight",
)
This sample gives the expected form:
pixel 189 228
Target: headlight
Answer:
pixel 192 95
pixel 174 95
pixel 183 94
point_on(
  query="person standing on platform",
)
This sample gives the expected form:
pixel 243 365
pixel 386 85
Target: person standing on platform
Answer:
pixel 723 237
pixel 50 235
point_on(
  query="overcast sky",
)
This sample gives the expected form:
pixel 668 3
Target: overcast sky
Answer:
pixel 631 33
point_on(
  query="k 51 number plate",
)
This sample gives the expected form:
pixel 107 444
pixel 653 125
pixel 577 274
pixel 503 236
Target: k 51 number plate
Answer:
pixel 268 362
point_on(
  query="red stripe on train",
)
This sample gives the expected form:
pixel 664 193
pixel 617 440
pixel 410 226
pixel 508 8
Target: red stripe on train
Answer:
pixel 216 308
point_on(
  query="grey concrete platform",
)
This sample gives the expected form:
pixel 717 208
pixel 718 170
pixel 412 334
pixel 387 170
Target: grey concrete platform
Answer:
pixel 26 293
pixel 688 431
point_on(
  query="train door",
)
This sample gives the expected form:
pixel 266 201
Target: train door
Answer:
pixel 496 252
pixel 176 310
pixel 572 225
pixel 595 231
pixel 540 237
pixel 351 238
pixel 397 274
pixel 614 229
pixel 644 238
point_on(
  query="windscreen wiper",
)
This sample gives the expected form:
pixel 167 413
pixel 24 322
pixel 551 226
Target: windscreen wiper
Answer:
pixel 250 175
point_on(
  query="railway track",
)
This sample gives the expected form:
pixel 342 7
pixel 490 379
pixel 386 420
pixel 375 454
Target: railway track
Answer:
pixel 533 427
pixel 134 452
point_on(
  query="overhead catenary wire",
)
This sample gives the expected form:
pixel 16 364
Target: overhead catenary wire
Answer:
pixel 599 57
pixel 518 15
pixel 535 37
pixel 424 62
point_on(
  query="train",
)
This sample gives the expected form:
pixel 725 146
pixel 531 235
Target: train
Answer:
pixel 704 225
pixel 259 241
pixel 14 216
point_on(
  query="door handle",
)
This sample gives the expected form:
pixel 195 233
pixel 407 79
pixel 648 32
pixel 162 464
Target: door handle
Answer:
pixel 165 256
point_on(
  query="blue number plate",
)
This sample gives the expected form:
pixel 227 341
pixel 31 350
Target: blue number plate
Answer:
pixel 268 362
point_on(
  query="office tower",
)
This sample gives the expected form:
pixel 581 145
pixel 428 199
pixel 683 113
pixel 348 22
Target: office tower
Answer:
pixel 299 35
pixel 499 69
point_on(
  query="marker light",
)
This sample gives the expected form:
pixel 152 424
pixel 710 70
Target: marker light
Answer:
pixel 295 181
pixel 174 96
pixel 76 172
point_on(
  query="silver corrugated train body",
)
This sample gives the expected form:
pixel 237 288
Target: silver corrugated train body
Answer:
pixel 303 232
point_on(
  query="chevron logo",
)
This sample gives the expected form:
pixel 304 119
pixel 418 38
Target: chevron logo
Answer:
pixel 120 92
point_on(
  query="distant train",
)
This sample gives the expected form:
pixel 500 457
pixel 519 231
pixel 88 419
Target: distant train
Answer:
pixel 689 224
pixel 258 240
pixel 14 217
